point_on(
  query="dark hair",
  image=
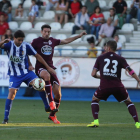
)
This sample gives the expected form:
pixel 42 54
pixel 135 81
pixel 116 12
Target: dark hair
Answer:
pixel 65 1
pixel 19 33
pixel 96 8
pixel 21 5
pixel 84 6
pixel 112 44
pixel 91 40
pixel 45 26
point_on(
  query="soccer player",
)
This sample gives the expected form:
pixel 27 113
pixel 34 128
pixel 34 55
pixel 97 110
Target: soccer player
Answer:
pixel 45 47
pixel 19 72
pixel 110 65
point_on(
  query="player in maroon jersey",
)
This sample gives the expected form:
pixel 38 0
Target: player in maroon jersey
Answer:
pixel 109 65
pixel 45 47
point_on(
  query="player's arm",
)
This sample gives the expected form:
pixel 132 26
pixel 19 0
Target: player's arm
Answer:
pixel 94 73
pixel 41 60
pixel 69 40
pixel 4 41
pixel 133 74
pixel 30 64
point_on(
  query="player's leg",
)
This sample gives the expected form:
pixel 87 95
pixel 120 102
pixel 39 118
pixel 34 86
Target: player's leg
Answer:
pixel 48 88
pixel 57 97
pixel 121 95
pixel 132 110
pixel 8 104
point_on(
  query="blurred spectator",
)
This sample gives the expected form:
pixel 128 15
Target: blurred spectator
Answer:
pixel 3 25
pixel 34 12
pixel 74 8
pixel 121 8
pixel 8 35
pixel 119 44
pixel 19 11
pixel 51 4
pixel 115 20
pixel 61 9
pixel 6 8
pixel 106 32
pixel 92 50
pixel 91 4
pixel 96 20
pixel 81 20
pixel 135 11
pixel 104 48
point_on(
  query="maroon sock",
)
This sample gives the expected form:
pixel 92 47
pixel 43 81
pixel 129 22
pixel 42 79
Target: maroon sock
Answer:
pixel 57 102
pixel 132 111
pixel 48 89
pixel 95 109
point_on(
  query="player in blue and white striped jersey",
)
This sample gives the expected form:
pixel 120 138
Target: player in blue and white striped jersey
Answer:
pixel 19 68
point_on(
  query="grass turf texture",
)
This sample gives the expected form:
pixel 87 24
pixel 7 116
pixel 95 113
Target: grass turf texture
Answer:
pixel 28 121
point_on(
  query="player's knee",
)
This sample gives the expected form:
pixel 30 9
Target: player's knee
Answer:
pixel 95 99
pixel 46 77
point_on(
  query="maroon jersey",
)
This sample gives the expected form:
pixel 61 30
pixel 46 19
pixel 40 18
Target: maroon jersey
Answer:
pixel 110 65
pixel 45 47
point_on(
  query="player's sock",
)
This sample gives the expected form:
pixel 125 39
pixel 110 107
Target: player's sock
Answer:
pixel 95 109
pixel 44 99
pixel 132 111
pixel 48 89
pixel 8 106
pixel 57 102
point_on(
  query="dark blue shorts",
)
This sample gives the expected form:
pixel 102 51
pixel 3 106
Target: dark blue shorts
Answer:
pixel 15 81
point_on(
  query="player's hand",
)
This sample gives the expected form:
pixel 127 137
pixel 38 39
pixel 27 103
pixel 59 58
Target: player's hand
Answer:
pixel 31 68
pixel 52 71
pixel 83 33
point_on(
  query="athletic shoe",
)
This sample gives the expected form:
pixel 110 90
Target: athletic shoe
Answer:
pixel 49 110
pixel 52 105
pixel 95 123
pixel 5 121
pixel 54 119
pixel 137 124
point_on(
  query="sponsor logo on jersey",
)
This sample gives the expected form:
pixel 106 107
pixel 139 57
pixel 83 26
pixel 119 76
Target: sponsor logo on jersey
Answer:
pixel 46 50
pixel 16 59
pixel 68 71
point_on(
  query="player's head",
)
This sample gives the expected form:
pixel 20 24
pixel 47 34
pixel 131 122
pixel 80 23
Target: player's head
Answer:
pixel 18 37
pixel 46 31
pixel 111 46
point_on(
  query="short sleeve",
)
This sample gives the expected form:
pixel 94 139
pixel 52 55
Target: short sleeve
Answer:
pixel 124 64
pixel 30 50
pixel 56 41
pixel 7 46
pixel 102 15
pixel 34 45
pixel 96 65
pixel 125 4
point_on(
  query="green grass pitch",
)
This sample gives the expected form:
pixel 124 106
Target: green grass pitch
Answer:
pixel 28 121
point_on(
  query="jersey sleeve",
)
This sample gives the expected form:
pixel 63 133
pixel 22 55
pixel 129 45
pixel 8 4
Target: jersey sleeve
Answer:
pixel 124 64
pixel 34 44
pixel 56 42
pixel 31 50
pixel 96 65
pixel 7 46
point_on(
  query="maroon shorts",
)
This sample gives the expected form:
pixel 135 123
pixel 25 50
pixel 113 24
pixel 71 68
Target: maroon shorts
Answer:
pixel 53 79
pixel 120 93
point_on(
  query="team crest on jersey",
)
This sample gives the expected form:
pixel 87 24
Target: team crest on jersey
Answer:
pixel 68 71
pixel 46 50
pixel 50 42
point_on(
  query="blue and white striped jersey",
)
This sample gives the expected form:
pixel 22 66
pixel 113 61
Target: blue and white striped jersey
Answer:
pixel 18 57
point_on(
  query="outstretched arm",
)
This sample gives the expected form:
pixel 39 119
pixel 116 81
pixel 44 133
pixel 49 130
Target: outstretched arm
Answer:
pixel 41 60
pixel 94 73
pixel 69 40
pixel 133 74
pixel 4 41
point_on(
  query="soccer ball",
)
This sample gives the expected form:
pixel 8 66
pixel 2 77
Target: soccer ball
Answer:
pixel 38 84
